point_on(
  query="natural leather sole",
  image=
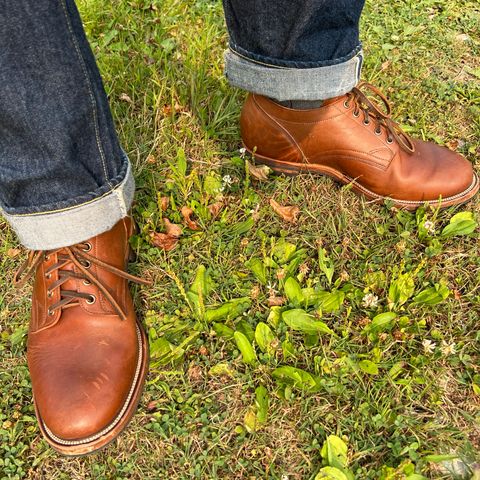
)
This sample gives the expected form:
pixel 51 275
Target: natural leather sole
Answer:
pixel 291 168
pixel 110 432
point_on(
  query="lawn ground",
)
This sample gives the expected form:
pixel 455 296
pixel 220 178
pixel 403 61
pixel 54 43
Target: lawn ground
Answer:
pixel 395 368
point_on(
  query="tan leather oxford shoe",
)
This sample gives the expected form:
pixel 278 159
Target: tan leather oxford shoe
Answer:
pixel 351 139
pixel 87 352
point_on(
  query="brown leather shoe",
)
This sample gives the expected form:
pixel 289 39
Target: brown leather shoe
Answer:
pixel 352 140
pixel 87 352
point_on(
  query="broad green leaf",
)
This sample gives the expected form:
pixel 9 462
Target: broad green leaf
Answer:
pixel 265 338
pixel 297 377
pixel 250 420
pixel 401 288
pixel 368 366
pixel 274 316
pixel 326 264
pixel 288 349
pixel 245 347
pixel 257 267
pixel 299 319
pixel 202 284
pixel 221 369
pixel 242 227
pixel 439 458
pixel 212 184
pixel 330 473
pixel 293 291
pixel 382 322
pixel 415 476
pixel 432 295
pixel 245 327
pixel 283 251
pixel 330 301
pixel 181 165
pixel 222 330
pixel 462 223
pixel 334 451
pixel 261 403
pixel 229 310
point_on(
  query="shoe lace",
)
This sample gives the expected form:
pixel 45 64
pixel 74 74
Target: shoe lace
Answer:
pixel 372 110
pixel 78 256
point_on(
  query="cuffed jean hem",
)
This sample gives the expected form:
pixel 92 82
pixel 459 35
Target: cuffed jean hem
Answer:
pixel 284 83
pixel 62 228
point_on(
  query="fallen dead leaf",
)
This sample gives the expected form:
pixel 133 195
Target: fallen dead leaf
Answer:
pixel 164 201
pixel 172 228
pixel 164 241
pixel 288 213
pixel 276 301
pixel 215 208
pixel 13 252
pixel 259 172
pixel 151 159
pixel 187 213
pixel 125 98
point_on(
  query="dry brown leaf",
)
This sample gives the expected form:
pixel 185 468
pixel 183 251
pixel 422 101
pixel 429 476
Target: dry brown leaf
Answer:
pixel 259 172
pixel 215 209
pixel 172 228
pixel 152 406
pixel 151 159
pixel 13 252
pixel 164 201
pixel 125 98
pixel 164 241
pixel 276 301
pixel 187 213
pixel 288 213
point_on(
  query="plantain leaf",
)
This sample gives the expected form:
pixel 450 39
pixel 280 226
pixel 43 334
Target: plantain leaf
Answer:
pixel 293 291
pixel 299 319
pixel 265 338
pixel 245 347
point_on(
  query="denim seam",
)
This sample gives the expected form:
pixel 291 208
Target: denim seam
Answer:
pixel 90 92
pixel 276 63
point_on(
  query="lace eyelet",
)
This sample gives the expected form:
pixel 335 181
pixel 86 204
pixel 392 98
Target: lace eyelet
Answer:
pixel 86 264
pixel 88 247
pixel 51 313
pixel 356 115
pixel 49 294
pixel 87 282
pixel 378 131
pixel 48 276
pixel 389 141
pixel 366 122
pixel 47 257
pixel 92 300
pixel 346 104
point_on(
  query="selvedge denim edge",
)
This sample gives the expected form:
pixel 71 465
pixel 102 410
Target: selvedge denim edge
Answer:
pixel 61 228
pixel 283 83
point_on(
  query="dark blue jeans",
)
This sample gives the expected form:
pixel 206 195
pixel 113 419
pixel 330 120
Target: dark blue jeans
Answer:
pixel 63 175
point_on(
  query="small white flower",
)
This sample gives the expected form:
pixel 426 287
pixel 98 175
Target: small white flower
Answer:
pixel 243 151
pixel 448 349
pixel 227 180
pixel 428 346
pixel 284 477
pixel 429 226
pixel 271 289
pixel 370 300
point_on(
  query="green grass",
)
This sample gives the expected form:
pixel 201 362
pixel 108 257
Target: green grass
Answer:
pixel 162 66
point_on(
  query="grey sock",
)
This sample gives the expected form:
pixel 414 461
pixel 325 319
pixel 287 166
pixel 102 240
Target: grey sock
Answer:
pixel 300 104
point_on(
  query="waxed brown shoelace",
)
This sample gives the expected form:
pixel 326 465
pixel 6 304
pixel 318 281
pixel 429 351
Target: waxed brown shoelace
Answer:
pixel 363 102
pixel 81 259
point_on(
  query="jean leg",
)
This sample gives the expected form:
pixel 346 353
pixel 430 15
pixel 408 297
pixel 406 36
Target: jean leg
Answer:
pixel 294 49
pixel 63 175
